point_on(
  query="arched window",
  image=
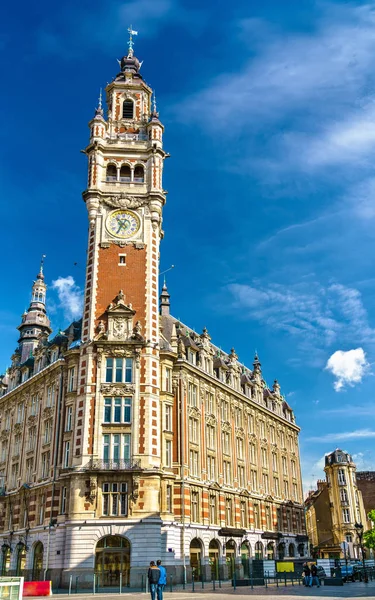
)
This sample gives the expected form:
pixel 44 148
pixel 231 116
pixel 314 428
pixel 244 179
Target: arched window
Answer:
pixel 292 550
pixel 281 550
pixel 196 557
pixel 112 557
pixel 128 109
pixel 139 174
pixel 5 564
pixel 111 173
pixel 38 561
pixel 21 559
pixel 259 550
pixel 125 173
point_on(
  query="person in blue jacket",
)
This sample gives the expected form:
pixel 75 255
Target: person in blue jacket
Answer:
pixel 162 580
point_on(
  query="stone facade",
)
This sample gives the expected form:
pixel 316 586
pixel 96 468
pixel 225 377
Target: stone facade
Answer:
pixel 129 436
pixel 334 508
pixel 366 483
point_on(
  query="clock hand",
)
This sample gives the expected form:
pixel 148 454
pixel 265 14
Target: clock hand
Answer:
pixel 121 225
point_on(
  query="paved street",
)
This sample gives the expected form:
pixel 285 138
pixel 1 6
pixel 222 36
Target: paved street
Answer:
pixel 352 590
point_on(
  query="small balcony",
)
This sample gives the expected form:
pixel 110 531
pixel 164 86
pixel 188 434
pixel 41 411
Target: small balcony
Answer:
pixel 112 465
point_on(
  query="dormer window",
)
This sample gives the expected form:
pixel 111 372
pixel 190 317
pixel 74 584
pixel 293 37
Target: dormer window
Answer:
pixel 139 174
pixel 111 174
pixel 125 174
pixel 128 109
pixel 191 356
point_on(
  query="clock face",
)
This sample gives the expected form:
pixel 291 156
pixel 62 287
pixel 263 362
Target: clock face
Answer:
pixel 123 223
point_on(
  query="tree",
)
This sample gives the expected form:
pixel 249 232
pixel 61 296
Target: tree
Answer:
pixel 369 536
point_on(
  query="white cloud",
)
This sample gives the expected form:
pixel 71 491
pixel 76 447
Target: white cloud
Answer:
pixel 352 410
pixel 348 367
pixel 358 434
pixel 70 296
pixel 364 461
pixel 311 473
pixel 314 315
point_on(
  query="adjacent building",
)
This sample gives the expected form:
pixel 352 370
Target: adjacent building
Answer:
pixel 129 436
pixel 366 484
pixel 334 508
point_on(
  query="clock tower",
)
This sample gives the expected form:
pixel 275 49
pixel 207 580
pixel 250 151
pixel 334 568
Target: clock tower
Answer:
pixel 120 330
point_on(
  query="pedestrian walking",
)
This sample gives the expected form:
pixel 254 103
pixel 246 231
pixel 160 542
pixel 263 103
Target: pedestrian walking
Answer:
pixel 314 576
pixel 162 580
pixel 153 579
pixel 306 574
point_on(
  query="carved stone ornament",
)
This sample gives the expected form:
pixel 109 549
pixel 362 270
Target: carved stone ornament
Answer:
pixel 193 411
pixel 211 420
pixel 4 434
pixel 240 432
pixel 31 420
pixel 93 487
pixel 119 351
pixel 124 201
pixel 48 412
pixel 119 328
pixel 226 427
pixel 18 428
pixel 135 487
pixel 117 389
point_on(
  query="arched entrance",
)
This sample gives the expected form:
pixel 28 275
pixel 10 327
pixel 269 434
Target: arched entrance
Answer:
pixel 245 558
pixel 5 563
pixel 281 550
pixel 259 551
pixel 196 557
pixel 292 550
pixel 38 562
pixel 270 551
pixel 230 554
pixel 21 559
pixel 112 557
pixel 301 549
pixel 213 554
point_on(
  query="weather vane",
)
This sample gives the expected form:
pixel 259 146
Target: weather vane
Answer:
pixel 130 42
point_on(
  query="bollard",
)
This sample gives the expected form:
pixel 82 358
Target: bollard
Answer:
pixel 170 583
pixel 77 584
pixel 142 583
pixel 265 579
pixel 234 579
pixel 292 576
pixel 251 579
pixel 213 584
pixel 120 583
pixel 202 581
pixel 285 578
pixel 277 581
pixel 192 582
pixel 93 587
pixel 70 584
pixel 219 580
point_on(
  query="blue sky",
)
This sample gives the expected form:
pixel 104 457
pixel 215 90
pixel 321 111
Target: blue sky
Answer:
pixel 270 121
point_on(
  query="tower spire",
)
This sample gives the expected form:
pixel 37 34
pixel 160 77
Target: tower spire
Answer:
pixel 35 321
pixel 99 110
pixel 164 304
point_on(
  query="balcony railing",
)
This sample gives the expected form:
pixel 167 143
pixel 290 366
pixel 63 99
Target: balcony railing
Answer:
pixel 112 465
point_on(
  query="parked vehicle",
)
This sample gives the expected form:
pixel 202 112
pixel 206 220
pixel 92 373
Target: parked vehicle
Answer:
pixel 351 573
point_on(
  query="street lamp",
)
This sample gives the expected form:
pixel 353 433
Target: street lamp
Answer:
pixel 359 529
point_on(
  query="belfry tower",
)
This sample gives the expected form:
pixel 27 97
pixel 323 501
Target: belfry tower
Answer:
pixel 120 331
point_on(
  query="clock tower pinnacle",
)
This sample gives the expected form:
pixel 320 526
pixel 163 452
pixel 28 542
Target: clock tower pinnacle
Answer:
pixel 124 200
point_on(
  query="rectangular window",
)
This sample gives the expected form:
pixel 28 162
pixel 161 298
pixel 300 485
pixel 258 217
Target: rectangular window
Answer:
pixel 241 476
pixel 66 454
pixel 264 458
pixel 168 379
pixel 256 516
pixel 169 498
pixel 293 465
pixel 116 447
pixel 168 417
pixel 17 445
pixel 243 514
pixel 211 468
pixel 50 395
pixel 63 500
pixel 227 472
pixel 210 432
pixel 272 434
pixel 341 476
pixel 288 521
pixel 168 453
pixel 295 494
pixel 47 431
pixel 268 518
pixel 193 430
pixel 229 511
pixel 7 420
pixel 119 370
pixel 192 394
pixel 42 500
pixel 254 480
pixel 29 470
pixel 240 448
pixel 265 483
pixel 286 489
pixel 226 442
pixel 45 464
pixel 285 468
pixel 117 410
pixel 213 509
pixel 68 418
pixel 34 405
pixel 122 259
pixel 115 499
pixel 194 507
pixel 346 515
pixel 193 460
pixel 4 448
pixel 209 403
pixel 224 410
pixel 252 453
pixel 71 379
pixel 20 413
pixel 277 486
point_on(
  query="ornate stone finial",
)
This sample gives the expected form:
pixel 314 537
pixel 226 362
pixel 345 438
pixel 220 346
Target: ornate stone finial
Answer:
pixel 41 274
pixel 130 42
pixel 233 356
pixel 154 103
pixel 276 388
pixel 99 110
pixel 164 300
